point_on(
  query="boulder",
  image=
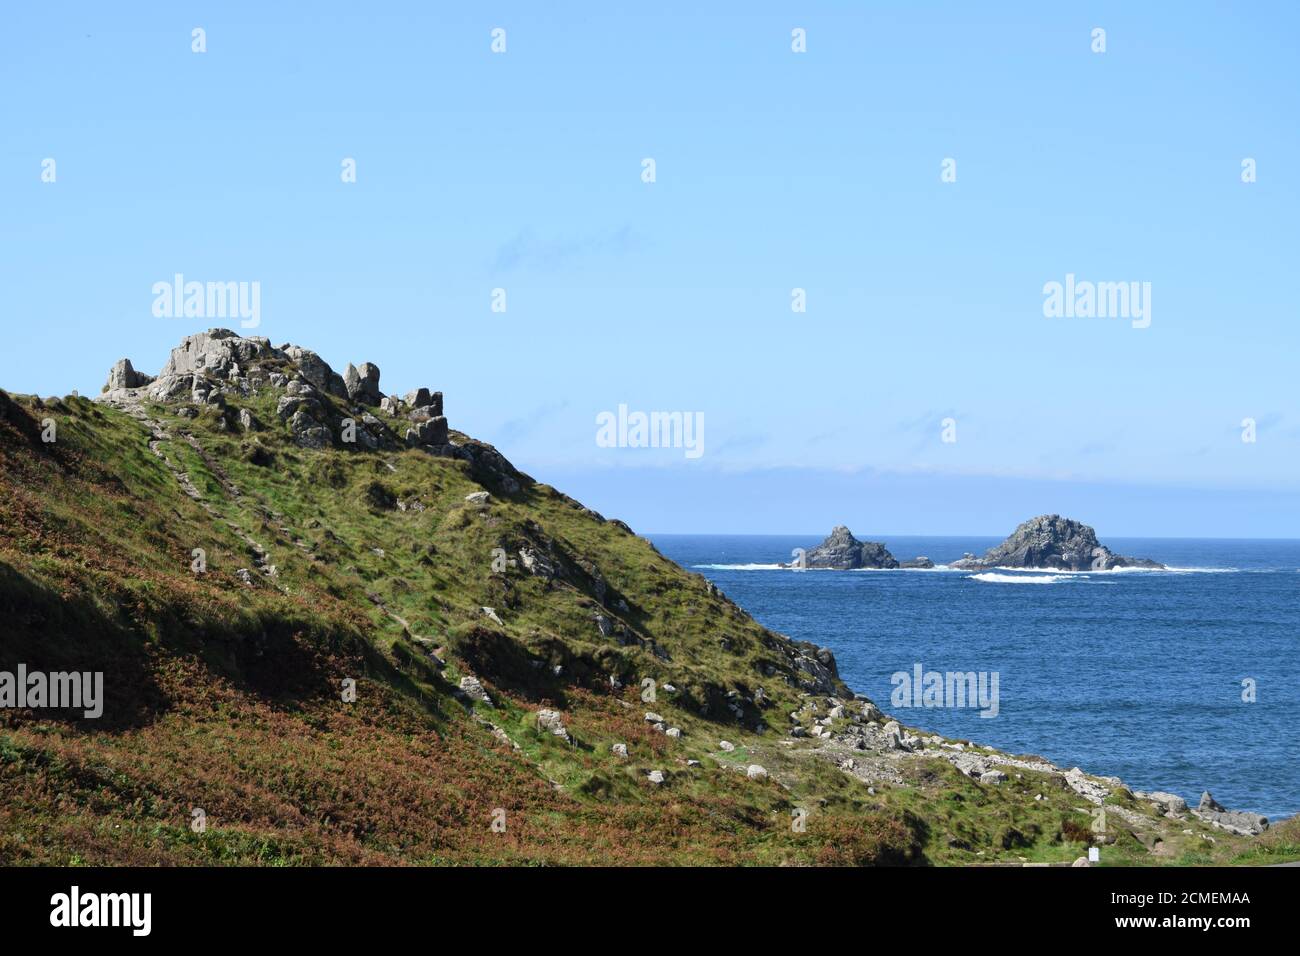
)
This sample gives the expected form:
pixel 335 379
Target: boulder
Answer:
pixel 307 431
pixel 756 772
pixel 893 739
pixel 537 564
pixel 726 745
pixel 478 498
pixel 619 750
pixel 1168 802
pixel 551 722
pixel 123 375
pixel 993 776
pixel 362 383
pixel 656 776
pixel 1052 542
pixel 471 688
pixel 432 432
pixel 418 397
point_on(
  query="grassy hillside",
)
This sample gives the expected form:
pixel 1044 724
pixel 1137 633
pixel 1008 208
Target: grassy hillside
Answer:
pixel 226 687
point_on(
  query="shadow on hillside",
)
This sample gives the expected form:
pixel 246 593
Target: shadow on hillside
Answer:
pixel 49 632
pixel 282 660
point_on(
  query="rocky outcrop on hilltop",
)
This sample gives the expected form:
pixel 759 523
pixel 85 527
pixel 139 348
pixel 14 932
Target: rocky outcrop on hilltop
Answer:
pixel 843 552
pixel 319 407
pixel 1056 543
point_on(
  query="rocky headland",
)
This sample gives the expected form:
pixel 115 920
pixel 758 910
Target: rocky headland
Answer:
pixel 503 639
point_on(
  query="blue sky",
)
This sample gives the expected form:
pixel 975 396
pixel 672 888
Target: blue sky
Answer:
pixel 774 170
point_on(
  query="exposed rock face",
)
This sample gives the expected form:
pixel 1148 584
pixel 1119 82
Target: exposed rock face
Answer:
pixel 842 551
pixel 316 370
pixel 1050 541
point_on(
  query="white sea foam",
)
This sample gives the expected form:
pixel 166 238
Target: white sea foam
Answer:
pixel 1039 575
pixel 1088 571
pixel 786 567
pixel 991 577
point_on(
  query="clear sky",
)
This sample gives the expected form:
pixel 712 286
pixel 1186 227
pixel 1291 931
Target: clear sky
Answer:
pixel 774 170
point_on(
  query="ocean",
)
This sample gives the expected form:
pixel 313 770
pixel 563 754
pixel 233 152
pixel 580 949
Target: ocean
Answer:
pixel 1137 674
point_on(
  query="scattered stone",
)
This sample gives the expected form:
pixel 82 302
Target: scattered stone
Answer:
pixel 619 750
pixel 727 746
pixel 470 687
pixel 478 498
pixel 1080 784
pixel 674 732
pixel 993 776
pixel 550 721
pixel 652 718
pixel 656 776
pixel 492 615
pixel 755 772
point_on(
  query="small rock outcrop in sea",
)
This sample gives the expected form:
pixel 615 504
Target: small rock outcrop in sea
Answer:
pixel 1056 543
pixel 843 552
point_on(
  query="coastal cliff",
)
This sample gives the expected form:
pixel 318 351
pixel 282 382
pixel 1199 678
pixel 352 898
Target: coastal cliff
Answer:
pixel 352 634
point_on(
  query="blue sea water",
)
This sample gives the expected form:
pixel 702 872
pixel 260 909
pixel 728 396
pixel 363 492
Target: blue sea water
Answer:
pixel 1138 674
